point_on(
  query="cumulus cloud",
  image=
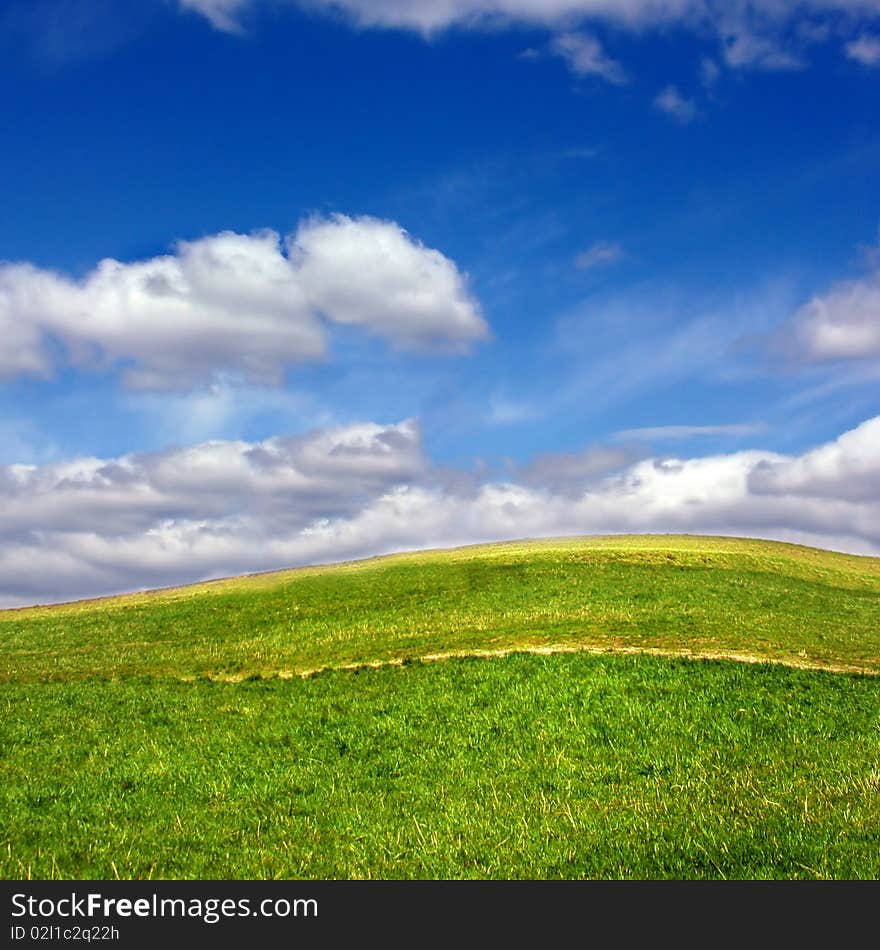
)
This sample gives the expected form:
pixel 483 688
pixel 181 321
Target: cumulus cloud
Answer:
pixel 848 468
pixel 291 480
pixel 92 526
pixel 111 524
pixel 24 349
pixel 370 273
pixel 237 304
pixel 843 323
pixel 673 103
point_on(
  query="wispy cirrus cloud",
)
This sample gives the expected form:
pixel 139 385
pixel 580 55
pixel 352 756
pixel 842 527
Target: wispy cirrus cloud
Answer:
pixel 598 254
pixel 246 304
pixel 510 412
pixel 674 433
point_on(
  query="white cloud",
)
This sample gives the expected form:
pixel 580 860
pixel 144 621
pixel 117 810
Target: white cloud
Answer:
pixel 23 349
pixel 91 526
pixel 865 50
pixel 290 479
pixel 763 34
pixel 427 16
pixel 848 468
pixel 370 273
pixel 673 103
pixel 841 324
pixel 743 48
pixel 584 55
pixel 237 304
pixel 602 252
pixel 222 14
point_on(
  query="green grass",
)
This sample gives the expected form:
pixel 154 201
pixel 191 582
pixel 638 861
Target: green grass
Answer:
pixel 563 766
pixel 772 601
pixel 167 735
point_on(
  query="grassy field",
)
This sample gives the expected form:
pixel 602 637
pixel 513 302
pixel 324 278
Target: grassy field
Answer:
pixel 186 733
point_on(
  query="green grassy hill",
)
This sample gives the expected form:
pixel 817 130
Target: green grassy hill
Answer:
pixel 295 725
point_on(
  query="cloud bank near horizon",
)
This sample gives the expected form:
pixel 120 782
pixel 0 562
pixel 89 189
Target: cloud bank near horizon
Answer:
pixel 90 526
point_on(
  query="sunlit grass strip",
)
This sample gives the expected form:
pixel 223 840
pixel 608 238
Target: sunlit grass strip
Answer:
pixel 542 650
pixel 699 596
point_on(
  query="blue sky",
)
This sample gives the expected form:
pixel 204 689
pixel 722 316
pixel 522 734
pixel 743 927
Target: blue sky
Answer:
pixel 379 276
